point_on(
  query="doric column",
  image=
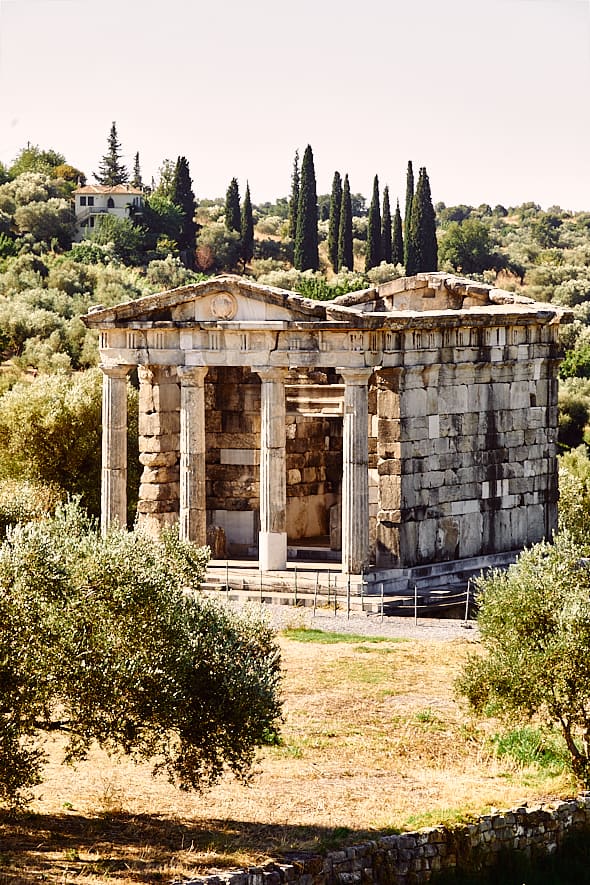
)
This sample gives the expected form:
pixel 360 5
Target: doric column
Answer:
pixel 355 471
pixel 113 501
pixel 193 516
pixel 272 550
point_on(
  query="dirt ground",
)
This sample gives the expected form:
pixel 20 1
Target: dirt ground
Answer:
pixel 373 740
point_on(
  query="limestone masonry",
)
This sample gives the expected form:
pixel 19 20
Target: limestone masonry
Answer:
pixel 406 424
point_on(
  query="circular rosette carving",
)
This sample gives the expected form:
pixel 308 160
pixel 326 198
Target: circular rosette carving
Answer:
pixel 224 306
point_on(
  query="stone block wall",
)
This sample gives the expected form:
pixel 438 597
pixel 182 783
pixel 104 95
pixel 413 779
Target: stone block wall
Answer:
pixel 313 454
pixel 467 444
pixel 314 473
pixel 417 857
pixel 159 447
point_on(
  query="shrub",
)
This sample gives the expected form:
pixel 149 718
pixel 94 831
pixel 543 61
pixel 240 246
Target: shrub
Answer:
pixel 101 638
pixel 50 432
pixel 534 621
pixel 23 501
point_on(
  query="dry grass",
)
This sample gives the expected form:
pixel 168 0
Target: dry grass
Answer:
pixel 373 741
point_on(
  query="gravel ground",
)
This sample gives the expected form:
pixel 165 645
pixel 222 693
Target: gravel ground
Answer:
pixel 434 629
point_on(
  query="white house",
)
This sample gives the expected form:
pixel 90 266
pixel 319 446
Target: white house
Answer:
pixel 93 200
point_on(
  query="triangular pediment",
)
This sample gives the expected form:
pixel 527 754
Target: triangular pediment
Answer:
pixel 219 300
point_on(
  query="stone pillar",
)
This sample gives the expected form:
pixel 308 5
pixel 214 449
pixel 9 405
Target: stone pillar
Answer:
pixel 159 448
pixel 355 471
pixel 272 550
pixel 113 500
pixel 193 515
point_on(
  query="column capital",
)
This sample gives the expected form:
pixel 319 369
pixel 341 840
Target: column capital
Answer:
pixel 153 372
pixel 119 370
pixel 192 376
pixel 270 373
pixel 354 375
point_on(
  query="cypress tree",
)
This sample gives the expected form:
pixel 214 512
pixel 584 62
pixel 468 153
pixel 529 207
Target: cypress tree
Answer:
pixel 233 220
pixel 397 251
pixel 386 243
pixel 345 253
pixel 181 192
pixel 306 240
pixel 112 171
pixel 373 256
pixel 294 201
pixel 136 180
pixel 247 228
pixel 408 215
pixel 423 228
pixel 334 227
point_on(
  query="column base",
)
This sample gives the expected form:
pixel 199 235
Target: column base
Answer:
pixel 272 551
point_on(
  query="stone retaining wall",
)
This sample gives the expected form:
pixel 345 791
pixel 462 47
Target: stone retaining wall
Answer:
pixel 418 857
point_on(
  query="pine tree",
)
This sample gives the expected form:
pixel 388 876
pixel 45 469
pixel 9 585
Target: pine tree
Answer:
pixel 373 255
pixel 294 201
pixel 386 244
pixel 334 225
pixel 397 251
pixel 182 194
pixel 112 171
pixel 247 228
pixel 423 228
pixel 233 220
pixel 136 180
pixel 345 253
pixel 408 215
pixel 306 240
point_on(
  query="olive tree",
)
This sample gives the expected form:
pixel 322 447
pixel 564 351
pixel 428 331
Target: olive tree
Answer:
pixel 534 621
pixel 107 640
pixel 50 432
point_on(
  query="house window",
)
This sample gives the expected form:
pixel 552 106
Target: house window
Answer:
pixel 91 201
pixel 110 203
pixel 82 201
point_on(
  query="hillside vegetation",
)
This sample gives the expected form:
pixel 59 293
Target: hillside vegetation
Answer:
pixel 48 281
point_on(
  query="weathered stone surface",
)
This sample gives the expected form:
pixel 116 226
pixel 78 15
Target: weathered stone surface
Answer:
pixel 459 412
pixel 216 541
pixel 158 459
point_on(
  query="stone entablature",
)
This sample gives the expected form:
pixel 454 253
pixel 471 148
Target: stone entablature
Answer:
pixel 441 394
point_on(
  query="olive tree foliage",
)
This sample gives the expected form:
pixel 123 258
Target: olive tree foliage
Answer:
pixel 37 205
pixel 108 641
pixel 50 432
pixel 534 622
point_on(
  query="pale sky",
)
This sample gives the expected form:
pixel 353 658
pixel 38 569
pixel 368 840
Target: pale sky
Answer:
pixel 492 96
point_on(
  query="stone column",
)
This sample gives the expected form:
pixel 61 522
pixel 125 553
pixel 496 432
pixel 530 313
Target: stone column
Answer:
pixel 193 515
pixel 355 471
pixel 113 500
pixel 272 550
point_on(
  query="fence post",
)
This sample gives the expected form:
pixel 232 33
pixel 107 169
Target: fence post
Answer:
pixel 295 584
pixel 335 596
pixel 348 600
pixel 381 601
pixel 415 603
pixel 226 580
pixel 315 594
pixel 467 600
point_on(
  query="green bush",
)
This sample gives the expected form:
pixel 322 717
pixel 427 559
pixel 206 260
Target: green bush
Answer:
pixel 23 501
pixel 534 621
pixel 50 432
pixel 107 640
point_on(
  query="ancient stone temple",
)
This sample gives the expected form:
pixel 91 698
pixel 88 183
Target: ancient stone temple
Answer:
pixel 410 423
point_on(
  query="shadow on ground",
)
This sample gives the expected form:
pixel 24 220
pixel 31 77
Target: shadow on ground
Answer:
pixel 145 848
